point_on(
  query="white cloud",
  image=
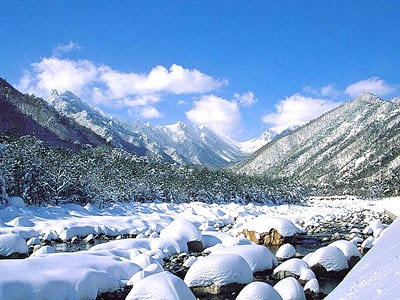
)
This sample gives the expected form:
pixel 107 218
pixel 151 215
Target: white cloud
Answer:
pixel 61 74
pixel 65 48
pixel 104 85
pixel 221 115
pixel 297 110
pixel 150 112
pixel 246 99
pixel 325 91
pixel 181 102
pixel 177 80
pixel 373 85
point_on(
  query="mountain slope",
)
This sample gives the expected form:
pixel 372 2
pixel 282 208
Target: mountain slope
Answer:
pixel 71 106
pixel 189 144
pixel 22 114
pixel 178 142
pixel 358 141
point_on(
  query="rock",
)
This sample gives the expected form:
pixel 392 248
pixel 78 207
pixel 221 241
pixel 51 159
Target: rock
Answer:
pixel 220 272
pixel 349 250
pixel 89 239
pixel 195 246
pixel 367 245
pixel 258 257
pixel 328 262
pixel 290 268
pixel 269 231
pixel 311 288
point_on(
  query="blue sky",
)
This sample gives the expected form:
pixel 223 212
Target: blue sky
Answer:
pixel 240 67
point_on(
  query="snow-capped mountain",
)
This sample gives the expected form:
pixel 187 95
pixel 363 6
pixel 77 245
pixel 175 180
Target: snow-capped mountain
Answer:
pixel 29 115
pixel 190 144
pixel 178 142
pixel 359 140
pixel 71 106
pixel 252 145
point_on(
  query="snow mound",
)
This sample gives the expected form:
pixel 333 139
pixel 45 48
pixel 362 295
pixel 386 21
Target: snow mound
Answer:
pixel 16 202
pixel 331 258
pixel 348 248
pixel 126 244
pixel 12 243
pixel 265 223
pixel 286 251
pixel 143 260
pixel 312 285
pixel 295 266
pixel 182 229
pixel 258 291
pixel 258 257
pixel 290 289
pixel 21 222
pixel 219 269
pixel 161 286
pixel 43 251
pixel 79 275
pixel 149 270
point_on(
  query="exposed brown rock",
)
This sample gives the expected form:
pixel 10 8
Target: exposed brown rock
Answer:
pixel 195 246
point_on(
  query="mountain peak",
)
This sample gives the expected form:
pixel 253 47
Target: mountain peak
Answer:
pixel 54 93
pixel 368 97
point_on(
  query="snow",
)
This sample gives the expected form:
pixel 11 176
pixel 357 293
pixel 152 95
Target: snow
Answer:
pixel 151 269
pixel 183 230
pixel 312 285
pixel 258 291
pixel 16 202
pixel 377 275
pixel 348 248
pixel 163 286
pixel 290 289
pixel 330 257
pixel 43 251
pixel 294 265
pixel 219 269
pixel 258 257
pixel 286 251
pixel 21 221
pixel 79 275
pixel 265 223
pixel 12 243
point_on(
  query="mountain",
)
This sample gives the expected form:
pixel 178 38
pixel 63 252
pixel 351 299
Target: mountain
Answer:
pixel 252 145
pixel 356 142
pixel 190 144
pixel 28 115
pixel 71 106
pixel 178 142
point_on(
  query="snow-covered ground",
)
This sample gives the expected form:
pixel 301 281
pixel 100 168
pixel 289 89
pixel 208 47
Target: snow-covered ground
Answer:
pixel 161 230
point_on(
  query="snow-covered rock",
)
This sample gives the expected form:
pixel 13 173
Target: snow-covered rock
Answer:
pixel 292 267
pixel 219 270
pixel 312 285
pixel 80 275
pixel 12 244
pixel 263 224
pixel 290 289
pixel 286 251
pixel 143 260
pixel 258 257
pixel 161 286
pixel 258 291
pixel 349 250
pixel 43 251
pixel 183 230
pixel 327 259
